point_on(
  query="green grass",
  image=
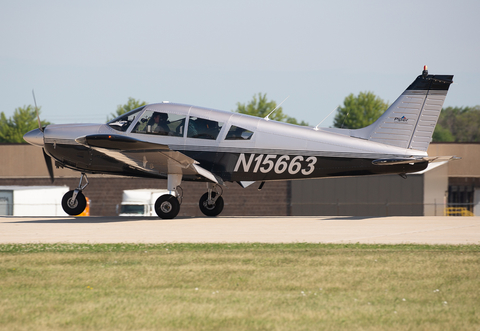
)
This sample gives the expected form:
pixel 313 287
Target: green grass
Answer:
pixel 239 287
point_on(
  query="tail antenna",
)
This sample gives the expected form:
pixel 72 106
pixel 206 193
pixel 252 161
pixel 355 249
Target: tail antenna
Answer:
pixel 266 117
pixel 316 128
pixel 36 110
pixel 344 120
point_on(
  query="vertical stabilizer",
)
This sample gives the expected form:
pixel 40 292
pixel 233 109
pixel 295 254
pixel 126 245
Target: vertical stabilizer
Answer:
pixel 410 121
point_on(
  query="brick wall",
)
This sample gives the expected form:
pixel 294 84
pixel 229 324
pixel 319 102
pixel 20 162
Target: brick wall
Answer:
pixel 105 193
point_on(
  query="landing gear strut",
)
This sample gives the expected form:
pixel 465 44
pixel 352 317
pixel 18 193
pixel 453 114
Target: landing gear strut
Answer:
pixel 211 203
pixel 167 206
pixel 74 202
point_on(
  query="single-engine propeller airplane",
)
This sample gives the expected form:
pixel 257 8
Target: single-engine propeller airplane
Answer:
pixel 182 142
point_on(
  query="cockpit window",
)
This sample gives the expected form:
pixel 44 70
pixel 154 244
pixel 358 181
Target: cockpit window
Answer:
pixel 122 122
pixel 238 133
pixel 202 128
pixel 160 123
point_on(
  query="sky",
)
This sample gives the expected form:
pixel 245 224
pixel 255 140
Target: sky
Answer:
pixel 84 58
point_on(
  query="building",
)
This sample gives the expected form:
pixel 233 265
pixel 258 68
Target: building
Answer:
pixel 463 175
pixel 422 193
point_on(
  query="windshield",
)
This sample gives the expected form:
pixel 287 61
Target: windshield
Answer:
pixel 122 122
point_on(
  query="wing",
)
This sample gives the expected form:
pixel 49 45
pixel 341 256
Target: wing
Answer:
pixel 147 157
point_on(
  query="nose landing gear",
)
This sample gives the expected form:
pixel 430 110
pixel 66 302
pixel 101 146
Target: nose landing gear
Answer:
pixel 74 202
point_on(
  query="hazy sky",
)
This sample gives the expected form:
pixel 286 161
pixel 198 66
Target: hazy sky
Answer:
pixel 83 58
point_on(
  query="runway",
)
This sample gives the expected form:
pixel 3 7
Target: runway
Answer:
pixel 385 230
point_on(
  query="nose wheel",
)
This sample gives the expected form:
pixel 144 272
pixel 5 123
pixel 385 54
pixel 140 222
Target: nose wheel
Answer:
pixel 74 202
pixel 74 205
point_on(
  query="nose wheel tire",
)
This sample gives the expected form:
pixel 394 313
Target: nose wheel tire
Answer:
pixel 74 207
pixel 209 208
pixel 167 206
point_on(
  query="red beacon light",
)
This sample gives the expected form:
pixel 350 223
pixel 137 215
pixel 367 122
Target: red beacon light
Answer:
pixel 425 71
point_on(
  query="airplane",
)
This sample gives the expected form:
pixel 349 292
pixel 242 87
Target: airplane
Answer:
pixel 181 142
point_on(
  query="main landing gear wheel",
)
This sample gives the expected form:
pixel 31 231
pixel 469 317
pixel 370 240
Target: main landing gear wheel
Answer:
pixel 74 206
pixel 167 206
pixel 213 207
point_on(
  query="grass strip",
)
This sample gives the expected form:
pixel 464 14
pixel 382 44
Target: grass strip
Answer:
pixel 257 286
pixel 181 247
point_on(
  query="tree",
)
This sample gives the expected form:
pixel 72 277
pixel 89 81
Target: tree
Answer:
pixel 24 119
pixel 292 120
pixel 442 134
pixel 122 109
pixel 359 111
pixel 261 107
pixel 458 124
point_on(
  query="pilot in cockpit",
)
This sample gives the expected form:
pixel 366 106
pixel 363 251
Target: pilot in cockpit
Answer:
pixel 159 124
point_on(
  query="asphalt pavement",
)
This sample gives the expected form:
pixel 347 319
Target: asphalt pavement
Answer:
pixel 324 229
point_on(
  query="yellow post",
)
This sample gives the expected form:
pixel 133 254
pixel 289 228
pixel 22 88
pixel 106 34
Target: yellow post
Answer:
pixel 86 212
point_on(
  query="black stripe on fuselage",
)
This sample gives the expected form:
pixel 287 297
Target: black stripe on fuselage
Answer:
pixel 234 166
pixel 262 167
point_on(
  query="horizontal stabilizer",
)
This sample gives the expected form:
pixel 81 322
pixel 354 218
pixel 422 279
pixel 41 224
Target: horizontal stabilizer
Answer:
pixel 441 158
pixel 397 161
pixel 414 160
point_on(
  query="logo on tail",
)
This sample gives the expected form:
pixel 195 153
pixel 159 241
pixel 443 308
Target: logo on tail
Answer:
pixel 400 119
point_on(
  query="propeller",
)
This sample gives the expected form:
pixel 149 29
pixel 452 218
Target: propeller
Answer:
pixel 48 159
pixel 48 162
pixel 36 110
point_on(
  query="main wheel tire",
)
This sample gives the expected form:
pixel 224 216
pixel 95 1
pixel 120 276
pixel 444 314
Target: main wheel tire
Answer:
pixel 167 206
pixel 209 209
pixel 74 207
